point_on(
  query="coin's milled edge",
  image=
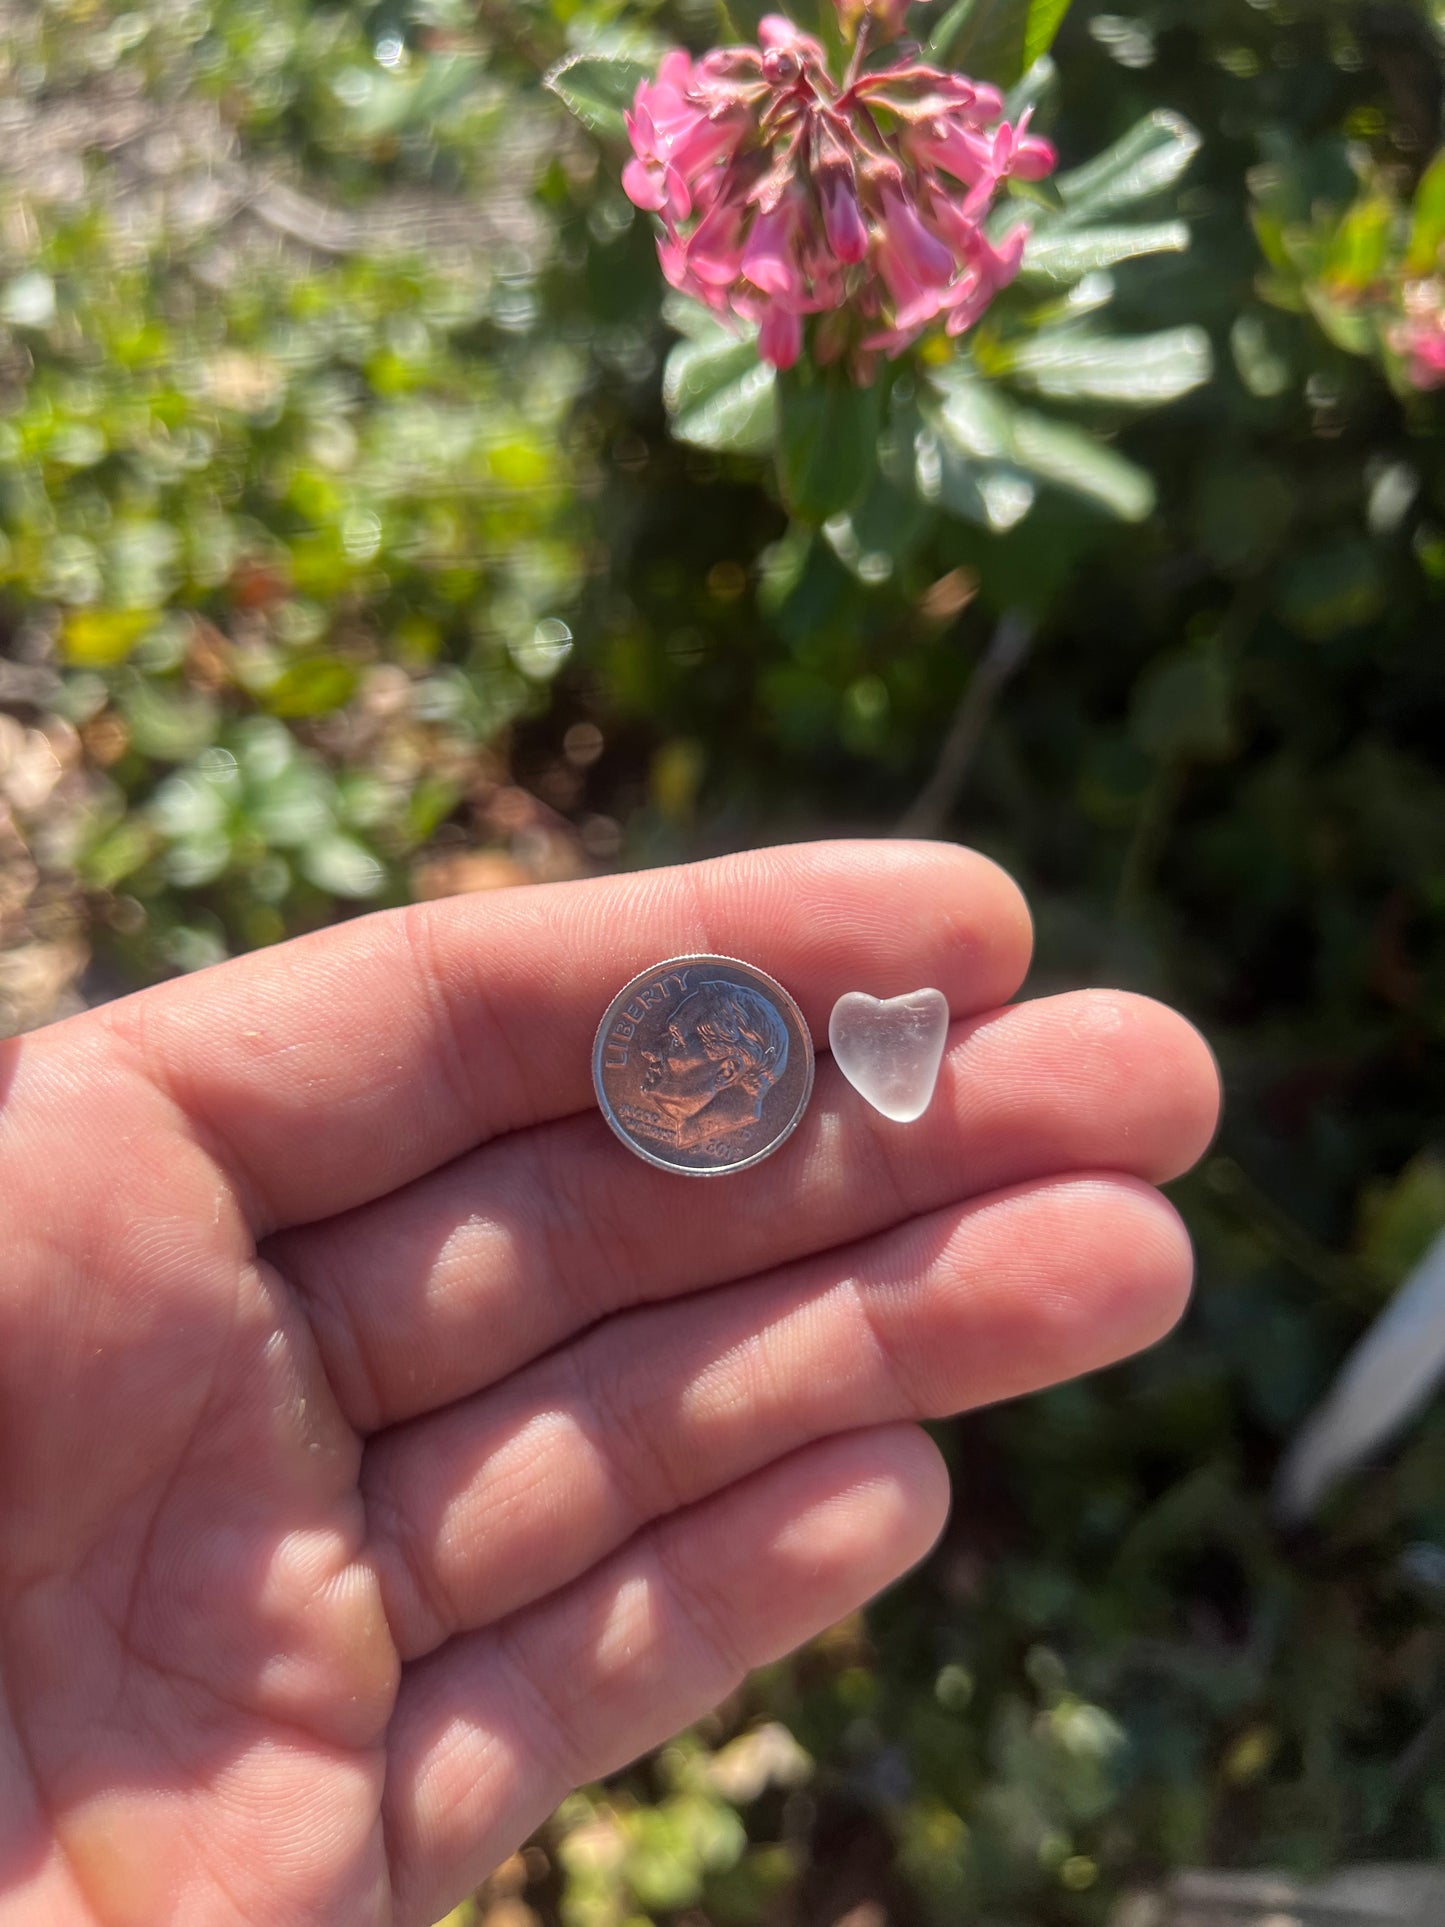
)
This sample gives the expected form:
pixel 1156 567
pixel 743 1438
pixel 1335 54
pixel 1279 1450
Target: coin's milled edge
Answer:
pixel 743 1164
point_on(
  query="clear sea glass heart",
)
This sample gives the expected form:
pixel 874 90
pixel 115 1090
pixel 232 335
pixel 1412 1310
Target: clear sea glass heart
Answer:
pixel 890 1052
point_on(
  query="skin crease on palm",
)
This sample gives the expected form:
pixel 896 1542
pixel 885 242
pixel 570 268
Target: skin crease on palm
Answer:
pixel 370 1418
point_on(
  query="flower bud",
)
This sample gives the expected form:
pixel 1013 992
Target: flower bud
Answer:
pixel 843 221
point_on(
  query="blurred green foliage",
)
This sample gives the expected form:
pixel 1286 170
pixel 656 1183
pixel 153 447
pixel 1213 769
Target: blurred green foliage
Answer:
pixel 346 536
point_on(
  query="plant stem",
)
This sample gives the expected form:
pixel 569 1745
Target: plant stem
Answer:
pixel 1005 656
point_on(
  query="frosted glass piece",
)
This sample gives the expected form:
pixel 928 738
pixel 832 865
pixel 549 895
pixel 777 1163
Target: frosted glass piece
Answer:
pixel 890 1052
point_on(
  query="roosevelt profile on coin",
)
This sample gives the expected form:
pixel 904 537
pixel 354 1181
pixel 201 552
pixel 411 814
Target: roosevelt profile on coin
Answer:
pixel 722 1053
pixel 703 1065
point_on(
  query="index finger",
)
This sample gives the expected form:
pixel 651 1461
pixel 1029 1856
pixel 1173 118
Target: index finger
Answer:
pixel 330 1070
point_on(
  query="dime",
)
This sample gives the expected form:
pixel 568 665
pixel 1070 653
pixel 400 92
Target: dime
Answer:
pixel 703 1065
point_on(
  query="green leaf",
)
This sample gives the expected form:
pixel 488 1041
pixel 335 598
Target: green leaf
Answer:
pixel 687 317
pixel 1149 158
pixel 311 687
pixel 1261 354
pixel 97 638
pixel 1402 1218
pixel 599 88
pixel 995 495
pixel 1330 590
pixel 187 806
pixel 1045 17
pixel 1182 707
pixel 1074 460
pixel 1144 370
pixel 872 539
pixel 827 441
pixel 396 105
pixel 996 40
pixel 295 807
pixel 1427 236
pixel 1032 90
pixel 343 867
pixel 430 804
pixel 118 854
pixel 194 861
pixel 719 395
pixel 1063 254
pixel 1348 325
pixel 1360 245
pixel 980 428
pixel 172 724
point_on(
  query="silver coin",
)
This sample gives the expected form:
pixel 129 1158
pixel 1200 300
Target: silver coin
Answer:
pixel 703 1065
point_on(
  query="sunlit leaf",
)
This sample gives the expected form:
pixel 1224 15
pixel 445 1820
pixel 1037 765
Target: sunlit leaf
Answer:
pixel 719 395
pixel 1145 370
pixel 1348 325
pixel 599 88
pixel 344 867
pixel 198 860
pixel 1149 158
pixel 295 808
pixel 873 539
pixel 1044 19
pixel 1360 245
pixel 187 806
pixel 996 495
pixel 1427 233
pixel 96 638
pixel 1064 253
pixel 983 428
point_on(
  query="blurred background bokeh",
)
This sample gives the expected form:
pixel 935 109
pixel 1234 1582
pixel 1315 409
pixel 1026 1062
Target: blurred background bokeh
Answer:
pixel 347 556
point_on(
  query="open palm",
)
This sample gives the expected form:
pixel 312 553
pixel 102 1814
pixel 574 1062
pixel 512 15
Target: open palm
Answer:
pixel 384 1450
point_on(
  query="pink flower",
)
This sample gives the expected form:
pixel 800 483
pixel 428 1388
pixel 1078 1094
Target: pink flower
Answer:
pixel 780 339
pixel 770 260
pixel 1420 337
pixel 1425 355
pixel 784 194
pixel 843 221
pixel 956 147
pixel 1017 151
pixel 992 270
pixel 675 139
pixel 715 251
pixel 917 266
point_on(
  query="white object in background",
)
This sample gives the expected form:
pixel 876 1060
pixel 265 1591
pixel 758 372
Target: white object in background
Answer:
pixel 891 1052
pixel 1384 1382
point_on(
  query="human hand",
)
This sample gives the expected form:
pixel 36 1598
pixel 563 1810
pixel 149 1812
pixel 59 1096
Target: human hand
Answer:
pixel 384 1450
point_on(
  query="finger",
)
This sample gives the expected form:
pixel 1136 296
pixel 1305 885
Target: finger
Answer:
pixel 333 1069
pixel 451 1284
pixel 497 1502
pixel 492 1731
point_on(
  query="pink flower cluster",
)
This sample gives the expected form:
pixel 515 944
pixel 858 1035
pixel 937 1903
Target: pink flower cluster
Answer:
pixel 1420 337
pixel 784 194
